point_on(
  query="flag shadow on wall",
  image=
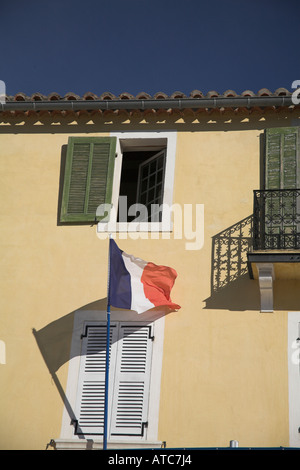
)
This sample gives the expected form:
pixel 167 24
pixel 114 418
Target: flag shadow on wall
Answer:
pixel 54 343
pixel 54 340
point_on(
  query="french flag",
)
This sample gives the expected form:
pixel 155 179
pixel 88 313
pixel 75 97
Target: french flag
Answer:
pixel 135 284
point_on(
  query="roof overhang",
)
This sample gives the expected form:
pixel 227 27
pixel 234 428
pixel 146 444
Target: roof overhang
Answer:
pixel 282 98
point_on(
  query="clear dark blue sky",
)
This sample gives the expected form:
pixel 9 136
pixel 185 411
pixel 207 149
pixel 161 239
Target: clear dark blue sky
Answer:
pixel 148 45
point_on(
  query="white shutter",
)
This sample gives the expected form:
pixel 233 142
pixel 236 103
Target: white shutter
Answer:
pixel 132 381
pixel 91 384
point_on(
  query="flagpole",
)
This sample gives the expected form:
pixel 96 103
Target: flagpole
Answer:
pixel 107 355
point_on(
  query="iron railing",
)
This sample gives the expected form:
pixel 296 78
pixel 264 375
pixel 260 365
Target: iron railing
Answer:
pixel 276 219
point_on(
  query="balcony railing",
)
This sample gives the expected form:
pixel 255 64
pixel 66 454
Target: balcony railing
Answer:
pixel 276 219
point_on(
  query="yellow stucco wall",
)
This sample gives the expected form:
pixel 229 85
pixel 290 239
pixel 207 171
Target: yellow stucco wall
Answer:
pixel 232 372
pixel 225 364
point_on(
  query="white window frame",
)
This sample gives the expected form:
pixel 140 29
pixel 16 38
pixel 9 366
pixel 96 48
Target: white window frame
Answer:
pixel 147 163
pixel 131 140
pixel 294 377
pixel 68 439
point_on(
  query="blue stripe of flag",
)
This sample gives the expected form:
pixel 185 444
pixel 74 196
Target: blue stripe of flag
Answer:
pixel 119 279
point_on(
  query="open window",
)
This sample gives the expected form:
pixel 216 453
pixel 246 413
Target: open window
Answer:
pixel 128 176
pixel 142 180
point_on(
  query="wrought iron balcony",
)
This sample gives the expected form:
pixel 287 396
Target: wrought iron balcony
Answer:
pixel 276 219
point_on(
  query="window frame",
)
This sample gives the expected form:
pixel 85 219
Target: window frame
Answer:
pixel 91 379
pixel 142 165
pixel 148 139
pixel 68 438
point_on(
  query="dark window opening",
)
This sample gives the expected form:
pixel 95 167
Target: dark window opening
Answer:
pixel 142 182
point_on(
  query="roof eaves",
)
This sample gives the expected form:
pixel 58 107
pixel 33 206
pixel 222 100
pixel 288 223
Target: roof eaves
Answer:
pixel 143 101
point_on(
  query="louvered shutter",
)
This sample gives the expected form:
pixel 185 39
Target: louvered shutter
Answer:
pixel 132 381
pixel 282 154
pixel 282 168
pixel 91 385
pixel 88 177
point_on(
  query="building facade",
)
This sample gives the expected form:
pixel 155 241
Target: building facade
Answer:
pixel 207 185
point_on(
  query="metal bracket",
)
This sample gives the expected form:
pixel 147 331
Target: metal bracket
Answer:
pixel 266 277
pixel 150 335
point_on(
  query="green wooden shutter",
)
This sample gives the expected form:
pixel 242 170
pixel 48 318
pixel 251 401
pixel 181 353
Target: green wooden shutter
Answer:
pixel 282 168
pixel 88 177
pixel 282 154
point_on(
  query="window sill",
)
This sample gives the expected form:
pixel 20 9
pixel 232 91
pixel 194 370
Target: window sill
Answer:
pixel 91 444
pixel 134 227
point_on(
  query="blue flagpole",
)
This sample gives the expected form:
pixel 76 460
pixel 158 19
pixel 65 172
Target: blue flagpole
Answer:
pixel 107 355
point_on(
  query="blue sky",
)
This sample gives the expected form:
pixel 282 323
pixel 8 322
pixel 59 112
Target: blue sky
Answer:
pixel 148 45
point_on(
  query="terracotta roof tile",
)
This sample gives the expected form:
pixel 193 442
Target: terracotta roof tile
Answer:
pixel 107 96
pixel 126 96
pixel 264 92
pixel 143 97
pixel 54 96
pixel 177 94
pixel 38 97
pixel 230 94
pixel 196 94
pixel 71 96
pixel 21 97
pixel 282 92
pixel 248 93
pixel 89 96
pixel 212 94
pixel 160 96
